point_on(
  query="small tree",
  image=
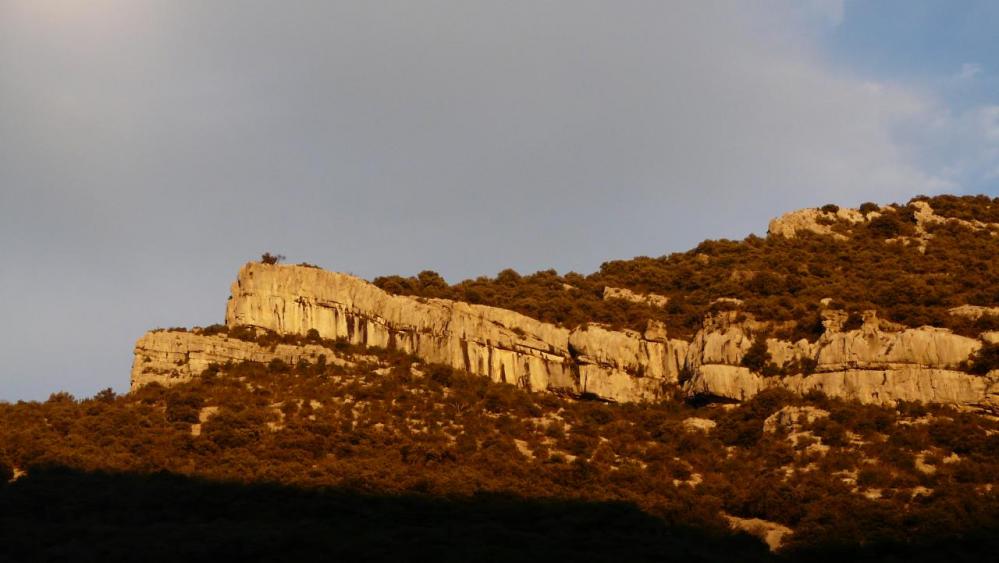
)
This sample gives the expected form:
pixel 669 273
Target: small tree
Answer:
pixel 106 396
pixel 869 207
pixel 268 258
pixel 757 357
pixel 984 360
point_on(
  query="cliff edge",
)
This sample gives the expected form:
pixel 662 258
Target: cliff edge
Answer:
pixel 876 363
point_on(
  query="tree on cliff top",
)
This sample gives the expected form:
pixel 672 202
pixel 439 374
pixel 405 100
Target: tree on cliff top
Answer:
pixel 268 258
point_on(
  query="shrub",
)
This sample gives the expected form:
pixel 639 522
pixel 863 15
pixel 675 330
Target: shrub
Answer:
pixel 757 357
pixel 106 395
pixel 885 226
pixel 830 208
pixel 853 321
pixel 277 365
pixel 441 374
pixel 183 407
pixel 777 279
pixel 268 258
pixel 869 207
pixel 984 360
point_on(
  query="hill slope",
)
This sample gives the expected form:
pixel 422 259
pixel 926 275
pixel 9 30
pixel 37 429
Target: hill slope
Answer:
pixel 383 440
pixel 826 393
pixel 911 263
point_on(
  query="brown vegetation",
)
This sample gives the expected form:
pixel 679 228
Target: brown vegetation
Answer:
pixel 435 432
pixel 777 279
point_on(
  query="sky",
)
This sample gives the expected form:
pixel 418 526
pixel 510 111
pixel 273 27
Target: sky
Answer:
pixel 148 148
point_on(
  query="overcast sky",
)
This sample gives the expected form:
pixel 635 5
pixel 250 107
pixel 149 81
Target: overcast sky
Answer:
pixel 150 147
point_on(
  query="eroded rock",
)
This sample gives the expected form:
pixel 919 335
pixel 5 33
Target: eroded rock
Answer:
pixel 169 357
pixel 877 363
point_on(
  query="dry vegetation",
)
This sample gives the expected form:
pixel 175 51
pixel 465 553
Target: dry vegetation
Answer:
pixel 904 480
pixel 392 459
pixel 875 268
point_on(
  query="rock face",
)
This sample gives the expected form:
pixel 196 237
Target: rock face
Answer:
pixel 877 363
pixel 169 357
pixel 770 533
pixel 649 298
pixel 791 419
pixel 870 364
pixel 813 221
pixel 500 344
pixel 974 312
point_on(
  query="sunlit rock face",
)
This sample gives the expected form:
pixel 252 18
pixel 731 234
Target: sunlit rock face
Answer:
pixel 497 343
pixel 872 386
pixel 876 363
pixel 817 221
pixel 171 357
pixel 872 364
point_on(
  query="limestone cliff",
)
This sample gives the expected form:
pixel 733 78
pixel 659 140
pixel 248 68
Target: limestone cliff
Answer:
pixel 500 344
pixel 877 363
pixel 869 364
pixel 170 357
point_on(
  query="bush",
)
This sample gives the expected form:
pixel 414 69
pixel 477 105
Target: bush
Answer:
pixel 268 258
pixel 277 365
pixel 441 374
pixel 984 360
pixel 853 321
pixel 885 226
pixel 830 208
pixel 869 207
pixel 778 279
pixel 757 357
pixel 183 407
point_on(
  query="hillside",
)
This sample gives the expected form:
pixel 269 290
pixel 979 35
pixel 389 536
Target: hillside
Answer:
pixel 829 392
pixel 911 263
pixel 382 440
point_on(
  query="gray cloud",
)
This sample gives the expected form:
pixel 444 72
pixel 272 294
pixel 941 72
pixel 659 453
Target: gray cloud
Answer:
pixel 148 148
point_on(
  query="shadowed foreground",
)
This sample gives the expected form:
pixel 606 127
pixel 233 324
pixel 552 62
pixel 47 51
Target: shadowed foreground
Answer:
pixel 66 515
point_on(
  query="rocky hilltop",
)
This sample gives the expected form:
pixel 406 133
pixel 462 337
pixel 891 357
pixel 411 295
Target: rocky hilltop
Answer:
pixel 496 343
pixel 831 389
pixel 732 356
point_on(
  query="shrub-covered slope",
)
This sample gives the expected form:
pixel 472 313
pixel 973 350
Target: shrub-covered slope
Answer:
pixel 865 479
pixel 911 273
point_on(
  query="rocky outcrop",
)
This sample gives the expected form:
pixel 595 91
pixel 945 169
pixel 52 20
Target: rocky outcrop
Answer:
pixel 171 357
pixel 814 220
pixel 870 348
pixel 974 312
pixel 652 299
pixel 877 363
pixel 817 221
pixel 500 344
pixel 770 533
pixel 791 418
pixel 870 364
pixel 697 424
pixel 885 387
